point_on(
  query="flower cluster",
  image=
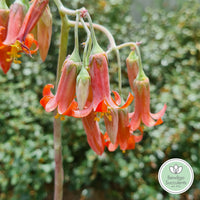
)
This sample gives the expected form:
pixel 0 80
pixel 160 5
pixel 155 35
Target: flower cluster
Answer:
pixel 84 92
pixel 23 28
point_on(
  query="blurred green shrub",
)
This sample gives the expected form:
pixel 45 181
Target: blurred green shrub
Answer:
pixel 171 58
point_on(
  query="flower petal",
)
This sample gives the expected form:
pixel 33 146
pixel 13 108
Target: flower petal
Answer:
pixel 34 13
pixel 112 147
pixel 111 124
pixel 47 90
pixel 128 101
pixel 51 104
pixel 135 122
pixel 117 99
pixel 138 138
pixel 16 17
pixel 45 100
pixel 130 143
pixel 102 107
pixel 73 106
pixel 94 136
pixel 147 120
pixel 82 113
pixel 159 114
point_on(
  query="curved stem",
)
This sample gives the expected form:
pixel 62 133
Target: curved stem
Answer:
pixel 127 44
pixel 87 43
pixel 75 54
pixel 68 11
pixel 100 28
pixel 63 45
pixel 59 173
pixel 141 75
pixel 111 48
pixel 119 72
pixel 76 33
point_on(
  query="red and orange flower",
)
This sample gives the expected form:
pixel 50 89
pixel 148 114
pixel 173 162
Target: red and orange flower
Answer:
pixel 142 106
pixel 15 36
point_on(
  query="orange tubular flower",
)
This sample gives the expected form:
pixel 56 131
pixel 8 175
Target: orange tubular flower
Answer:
pixel 34 13
pixel 66 89
pixel 142 106
pixel 18 38
pixel 101 98
pixel 94 136
pixel 4 16
pixel 120 133
pixel 16 18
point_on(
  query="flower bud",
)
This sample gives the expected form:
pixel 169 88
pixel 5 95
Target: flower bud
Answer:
pixel 44 31
pixel 132 67
pixel 82 87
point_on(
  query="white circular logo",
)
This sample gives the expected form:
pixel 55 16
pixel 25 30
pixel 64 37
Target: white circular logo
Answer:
pixel 175 176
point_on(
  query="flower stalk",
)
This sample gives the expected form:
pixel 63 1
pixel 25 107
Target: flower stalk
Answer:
pixel 59 173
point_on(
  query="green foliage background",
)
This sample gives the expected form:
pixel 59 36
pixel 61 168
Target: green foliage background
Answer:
pixel 171 57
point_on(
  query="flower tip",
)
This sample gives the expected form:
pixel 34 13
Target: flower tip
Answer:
pixel 83 12
pixel 44 32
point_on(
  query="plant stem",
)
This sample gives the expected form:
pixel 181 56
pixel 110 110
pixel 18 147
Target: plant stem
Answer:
pixel 59 173
pixel 127 44
pixel 75 54
pixel 111 48
pixel 63 45
pixel 141 75
pixel 87 44
pixel 3 4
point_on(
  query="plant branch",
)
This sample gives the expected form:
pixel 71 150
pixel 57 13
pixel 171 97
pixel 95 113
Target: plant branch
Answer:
pixel 87 44
pixel 59 174
pixel 112 45
pixel 127 44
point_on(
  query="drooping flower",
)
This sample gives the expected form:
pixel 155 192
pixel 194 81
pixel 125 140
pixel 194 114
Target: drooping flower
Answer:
pixel 98 70
pixel 132 67
pixel 142 105
pixel 16 17
pixel 101 99
pixel 120 134
pixel 66 89
pixel 44 31
pixel 33 15
pixel 18 38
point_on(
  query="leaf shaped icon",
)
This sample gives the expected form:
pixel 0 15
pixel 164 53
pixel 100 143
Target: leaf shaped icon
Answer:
pixel 179 170
pixel 175 167
pixel 172 169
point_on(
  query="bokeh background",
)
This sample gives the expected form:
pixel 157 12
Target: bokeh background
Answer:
pixel 170 35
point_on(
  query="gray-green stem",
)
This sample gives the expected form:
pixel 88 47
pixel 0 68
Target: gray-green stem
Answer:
pixel 96 48
pixel 59 173
pixel 87 44
pixel 75 55
pixel 111 48
pixel 3 4
pixel 141 75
